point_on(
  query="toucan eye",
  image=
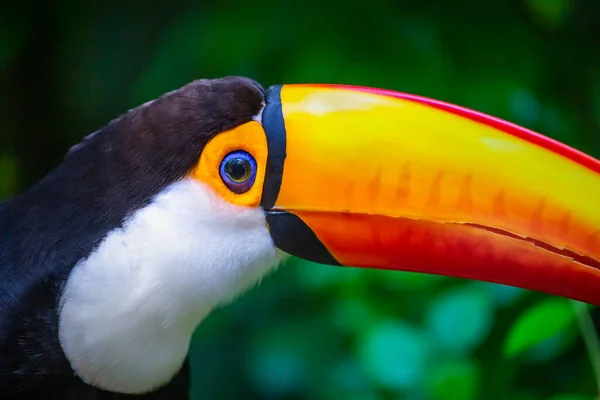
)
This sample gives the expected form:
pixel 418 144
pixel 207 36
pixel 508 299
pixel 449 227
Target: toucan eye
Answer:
pixel 238 171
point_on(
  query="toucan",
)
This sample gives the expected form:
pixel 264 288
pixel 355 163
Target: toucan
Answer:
pixel 112 260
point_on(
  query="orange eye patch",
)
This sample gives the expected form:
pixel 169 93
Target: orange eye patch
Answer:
pixel 247 138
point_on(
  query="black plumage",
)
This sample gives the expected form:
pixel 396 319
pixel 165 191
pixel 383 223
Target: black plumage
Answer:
pixel 45 231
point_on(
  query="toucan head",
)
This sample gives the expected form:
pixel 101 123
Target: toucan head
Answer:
pixel 356 176
pixel 218 181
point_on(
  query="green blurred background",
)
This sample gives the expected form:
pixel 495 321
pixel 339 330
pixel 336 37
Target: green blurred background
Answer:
pixel 309 331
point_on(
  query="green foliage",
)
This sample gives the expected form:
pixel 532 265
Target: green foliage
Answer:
pixel 541 322
pixel 8 176
pixel 395 355
pixel 551 12
pixel 571 396
pixel 595 89
pixel 457 380
pixel 460 319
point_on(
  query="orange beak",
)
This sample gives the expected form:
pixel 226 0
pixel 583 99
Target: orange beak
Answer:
pixel 371 178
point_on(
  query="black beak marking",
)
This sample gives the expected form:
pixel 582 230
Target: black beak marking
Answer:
pixel 293 236
pixel 274 126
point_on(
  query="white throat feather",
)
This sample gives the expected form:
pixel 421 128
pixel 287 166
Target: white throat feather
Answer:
pixel 128 310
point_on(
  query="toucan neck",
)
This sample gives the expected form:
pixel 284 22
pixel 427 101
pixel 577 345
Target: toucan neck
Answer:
pixel 133 305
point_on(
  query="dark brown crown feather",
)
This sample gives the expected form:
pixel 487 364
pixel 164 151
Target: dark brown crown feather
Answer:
pixel 175 126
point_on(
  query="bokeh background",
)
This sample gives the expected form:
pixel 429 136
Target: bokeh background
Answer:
pixel 310 331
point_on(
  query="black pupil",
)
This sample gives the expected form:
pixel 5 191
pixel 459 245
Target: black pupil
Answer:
pixel 237 169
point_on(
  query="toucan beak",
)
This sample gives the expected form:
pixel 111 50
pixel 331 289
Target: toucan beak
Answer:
pixel 372 178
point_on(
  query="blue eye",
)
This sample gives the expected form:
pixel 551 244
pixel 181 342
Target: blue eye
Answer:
pixel 238 171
